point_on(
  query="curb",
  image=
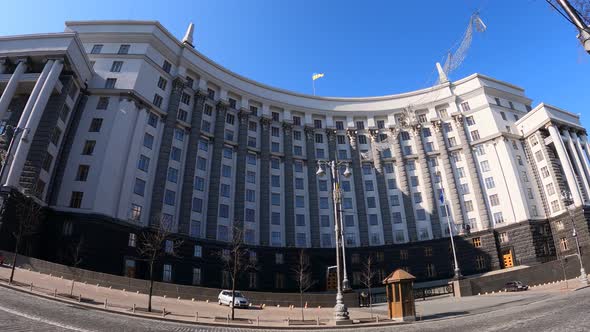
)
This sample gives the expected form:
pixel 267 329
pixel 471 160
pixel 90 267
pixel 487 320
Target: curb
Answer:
pixel 173 320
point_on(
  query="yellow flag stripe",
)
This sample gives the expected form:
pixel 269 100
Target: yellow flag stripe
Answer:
pixel 316 76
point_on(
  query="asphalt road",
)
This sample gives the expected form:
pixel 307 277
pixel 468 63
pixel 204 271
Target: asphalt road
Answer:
pixel 565 312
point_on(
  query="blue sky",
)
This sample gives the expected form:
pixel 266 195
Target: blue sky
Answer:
pixel 365 48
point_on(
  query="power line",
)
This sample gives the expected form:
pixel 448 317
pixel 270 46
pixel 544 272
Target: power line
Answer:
pixel 561 13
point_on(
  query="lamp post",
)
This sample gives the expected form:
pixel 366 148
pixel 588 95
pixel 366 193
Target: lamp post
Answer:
pixel 566 196
pixel 340 309
pixel 442 201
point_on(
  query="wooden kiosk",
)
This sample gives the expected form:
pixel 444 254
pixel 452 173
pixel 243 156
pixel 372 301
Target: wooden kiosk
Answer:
pixel 399 286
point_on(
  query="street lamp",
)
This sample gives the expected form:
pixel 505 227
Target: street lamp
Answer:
pixel 566 196
pixel 340 309
pixel 442 202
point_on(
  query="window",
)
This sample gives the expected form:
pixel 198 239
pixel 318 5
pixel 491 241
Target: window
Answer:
pixel 88 147
pixel 276 199
pixel 132 242
pixel 475 135
pixel 362 139
pixel 124 49
pixel 470 121
pixel 420 214
pixel 196 276
pixel 226 171
pixel 116 66
pixel 498 218
pixel 317 124
pixel 480 263
pixel 175 153
pixel 490 183
pixel 476 242
pixel 47 161
pixel 197 205
pixel 95 125
pixel 276 239
pixel 503 237
pixel 143 163
pixel 96 49
pixel 452 141
pixel 82 174
pixel 182 115
pixel 563 243
pixel 550 188
pixel 544 171
pixel 494 201
pixel 299 201
pixel 148 140
pixel 414 181
pixel 250 215
pixel 469 206
pixel 153 120
pixel 422 118
pixel 465 106
pixel 342 154
pixel 275 147
pixel 360 125
pixel 275 181
pixel 55 135
pixel 371 203
pixel 555 206
pixel 169 197
pixel 76 199
pixel 485 166
pixel 139 187
pixel 391 184
pixel 275 163
pixel 157 100
pixel 110 83
pixel 135 212
pixel 103 103
pixel 339 125
pixel 369 185
pixel 167 273
pixel 320 153
pixel 417 197
pixel 319 138
pixel 166 66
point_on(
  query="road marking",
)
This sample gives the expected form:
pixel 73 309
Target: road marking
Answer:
pixel 43 320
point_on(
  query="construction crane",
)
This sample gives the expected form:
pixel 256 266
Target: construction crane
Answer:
pixel 455 57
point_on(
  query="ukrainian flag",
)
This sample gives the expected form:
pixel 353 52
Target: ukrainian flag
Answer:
pixel 316 76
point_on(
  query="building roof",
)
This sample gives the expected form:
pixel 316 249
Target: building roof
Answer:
pixel 398 275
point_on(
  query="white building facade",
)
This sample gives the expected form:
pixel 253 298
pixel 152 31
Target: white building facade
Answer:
pixel 123 125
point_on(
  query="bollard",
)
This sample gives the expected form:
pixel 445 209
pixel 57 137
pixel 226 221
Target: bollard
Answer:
pixel 79 297
pixel 258 320
pixel 133 308
pixel 123 290
pixel 179 298
pixel 164 312
pixel 105 303
pixel 377 320
pixel 196 316
pixel 288 321
pixel 55 292
pixel 31 287
pixel 193 299
pixel 317 319
pixel 227 319
pixel 207 301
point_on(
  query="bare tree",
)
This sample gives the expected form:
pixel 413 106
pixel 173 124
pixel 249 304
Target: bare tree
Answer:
pixel 368 278
pixel 28 214
pixel 236 260
pixel 154 243
pixel 76 260
pixel 303 277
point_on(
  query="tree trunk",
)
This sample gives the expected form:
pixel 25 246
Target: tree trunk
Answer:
pixel 151 287
pixel 301 304
pixel 233 297
pixel 14 260
pixel 370 303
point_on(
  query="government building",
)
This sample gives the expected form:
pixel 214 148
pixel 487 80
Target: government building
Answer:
pixel 115 126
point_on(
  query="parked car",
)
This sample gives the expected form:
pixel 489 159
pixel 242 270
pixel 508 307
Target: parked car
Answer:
pixel 240 301
pixel 515 286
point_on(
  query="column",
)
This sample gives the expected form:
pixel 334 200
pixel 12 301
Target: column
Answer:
pixel 288 173
pixel 10 89
pixel 3 65
pixel 186 199
pixel 404 187
pixel 24 143
pixel 130 162
pixel 382 189
pixel 264 201
pixel 240 192
pixel 164 154
pixel 578 163
pixel 215 173
pixel 357 174
pixel 583 155
pixel 312 188
pixel 566 165
pixel 473 172
pixel 451 195
pixel 430 194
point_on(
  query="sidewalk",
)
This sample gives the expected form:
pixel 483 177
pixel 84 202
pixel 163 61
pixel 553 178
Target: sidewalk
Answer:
pixel 122 301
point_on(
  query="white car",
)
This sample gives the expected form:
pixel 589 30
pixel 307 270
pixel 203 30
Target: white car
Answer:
pixel 239 300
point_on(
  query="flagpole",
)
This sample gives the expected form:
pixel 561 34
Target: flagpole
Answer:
pixel 313 84
pixel 457 269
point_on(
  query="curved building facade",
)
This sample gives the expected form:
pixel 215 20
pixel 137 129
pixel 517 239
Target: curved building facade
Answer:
pixel 127 125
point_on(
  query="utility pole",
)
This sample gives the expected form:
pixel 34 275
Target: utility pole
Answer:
pixel 578 22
